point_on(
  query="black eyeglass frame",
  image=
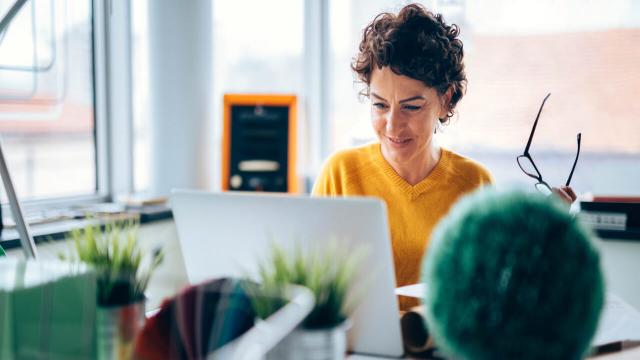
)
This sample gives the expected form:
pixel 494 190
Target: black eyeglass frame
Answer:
pixel 527 155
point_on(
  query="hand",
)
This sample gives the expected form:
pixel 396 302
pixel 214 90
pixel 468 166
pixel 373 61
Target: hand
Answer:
pixel 565 193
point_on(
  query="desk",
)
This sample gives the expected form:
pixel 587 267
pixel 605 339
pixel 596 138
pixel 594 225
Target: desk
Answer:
pixel 619 262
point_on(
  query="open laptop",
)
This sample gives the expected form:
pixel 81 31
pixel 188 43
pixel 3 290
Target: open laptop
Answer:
pixel 228 234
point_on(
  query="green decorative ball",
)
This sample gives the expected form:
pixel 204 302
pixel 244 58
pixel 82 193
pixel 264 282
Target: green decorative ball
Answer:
pixel 512 275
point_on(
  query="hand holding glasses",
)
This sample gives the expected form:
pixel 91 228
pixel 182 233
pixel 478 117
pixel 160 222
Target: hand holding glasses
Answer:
pixel 529 167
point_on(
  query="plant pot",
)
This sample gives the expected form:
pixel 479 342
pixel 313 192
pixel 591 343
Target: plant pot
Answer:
pixel 117 328
pixel 313 344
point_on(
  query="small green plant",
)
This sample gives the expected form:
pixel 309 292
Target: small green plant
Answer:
pixel 117 258
pixel 329 274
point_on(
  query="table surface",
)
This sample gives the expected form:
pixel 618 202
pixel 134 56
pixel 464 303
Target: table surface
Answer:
pixel 619 261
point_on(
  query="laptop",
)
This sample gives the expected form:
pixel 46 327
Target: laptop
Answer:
pixel 228 234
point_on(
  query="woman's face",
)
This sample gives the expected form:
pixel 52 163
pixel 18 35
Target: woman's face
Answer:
pixel 404 113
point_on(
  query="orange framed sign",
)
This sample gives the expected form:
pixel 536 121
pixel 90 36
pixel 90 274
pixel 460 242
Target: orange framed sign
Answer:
pixel 259 143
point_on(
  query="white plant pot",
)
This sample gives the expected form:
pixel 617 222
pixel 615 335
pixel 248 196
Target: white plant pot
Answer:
pixel 316 344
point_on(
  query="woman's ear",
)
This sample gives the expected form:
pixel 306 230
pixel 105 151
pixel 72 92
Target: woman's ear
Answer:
pixel 446 103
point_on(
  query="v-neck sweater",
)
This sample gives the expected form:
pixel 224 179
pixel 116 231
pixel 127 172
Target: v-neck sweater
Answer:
pixel 413 210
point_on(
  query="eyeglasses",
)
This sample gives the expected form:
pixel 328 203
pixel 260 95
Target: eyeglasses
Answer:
pixel 529 167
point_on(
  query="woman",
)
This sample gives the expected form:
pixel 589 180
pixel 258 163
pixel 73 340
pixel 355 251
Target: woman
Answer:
pixel 412 66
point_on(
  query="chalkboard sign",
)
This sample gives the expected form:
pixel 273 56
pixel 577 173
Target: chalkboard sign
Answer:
pixel 258 143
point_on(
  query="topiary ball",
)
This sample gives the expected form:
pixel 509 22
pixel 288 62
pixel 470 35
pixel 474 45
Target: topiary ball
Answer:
pixel 512 275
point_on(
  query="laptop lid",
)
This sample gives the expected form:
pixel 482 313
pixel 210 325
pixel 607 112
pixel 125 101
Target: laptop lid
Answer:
pixel 227 234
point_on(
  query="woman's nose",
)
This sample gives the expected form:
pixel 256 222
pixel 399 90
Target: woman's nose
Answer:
pixel 395 119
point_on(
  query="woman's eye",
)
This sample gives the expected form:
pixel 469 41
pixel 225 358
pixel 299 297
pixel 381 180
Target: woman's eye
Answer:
pixel 412 107
pixel 379 106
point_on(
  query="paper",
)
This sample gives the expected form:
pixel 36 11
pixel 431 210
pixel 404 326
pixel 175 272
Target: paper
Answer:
pixel 619 321
pixel 415 291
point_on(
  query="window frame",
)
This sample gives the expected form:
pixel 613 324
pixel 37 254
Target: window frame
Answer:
pixel 110 22
pixel 317 78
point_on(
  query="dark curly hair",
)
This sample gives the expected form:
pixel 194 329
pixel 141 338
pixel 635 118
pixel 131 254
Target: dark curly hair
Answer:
pixel 415 43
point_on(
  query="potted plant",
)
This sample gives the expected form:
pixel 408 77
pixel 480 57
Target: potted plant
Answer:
pixel 329 273
pixel 123 271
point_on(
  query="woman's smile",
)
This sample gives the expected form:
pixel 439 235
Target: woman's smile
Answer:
pixel 399 142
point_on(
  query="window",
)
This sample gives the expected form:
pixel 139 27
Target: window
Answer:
pixel 349 117
pixel 260 50
pixel 47 99
pixel 583 53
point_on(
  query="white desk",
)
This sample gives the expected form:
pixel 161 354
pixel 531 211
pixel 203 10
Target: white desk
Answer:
pixel 620 263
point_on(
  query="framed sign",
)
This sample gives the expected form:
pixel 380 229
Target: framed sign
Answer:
pixel 259 143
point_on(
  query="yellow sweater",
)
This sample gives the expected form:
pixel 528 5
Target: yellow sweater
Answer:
pixel 413 211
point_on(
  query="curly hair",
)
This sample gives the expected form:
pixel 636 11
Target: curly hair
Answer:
pixel 418 44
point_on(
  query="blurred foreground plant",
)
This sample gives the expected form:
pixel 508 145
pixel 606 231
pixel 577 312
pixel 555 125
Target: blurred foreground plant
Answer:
pixel 123 268
pixel 329 273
